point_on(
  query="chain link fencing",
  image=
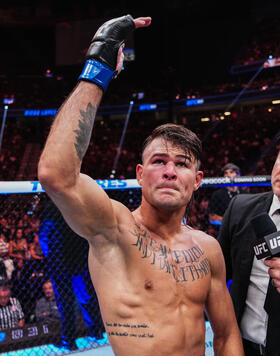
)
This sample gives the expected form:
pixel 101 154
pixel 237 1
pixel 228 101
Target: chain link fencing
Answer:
pixel 40 253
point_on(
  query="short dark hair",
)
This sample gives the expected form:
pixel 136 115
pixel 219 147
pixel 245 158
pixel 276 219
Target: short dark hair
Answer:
pixel 231 166
pixel 179 136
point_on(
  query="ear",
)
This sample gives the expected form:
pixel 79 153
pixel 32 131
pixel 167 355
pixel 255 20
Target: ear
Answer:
pixel 139 171
pixel 198 179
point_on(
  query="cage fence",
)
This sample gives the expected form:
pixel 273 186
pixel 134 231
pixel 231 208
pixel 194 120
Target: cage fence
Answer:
pixel 44 264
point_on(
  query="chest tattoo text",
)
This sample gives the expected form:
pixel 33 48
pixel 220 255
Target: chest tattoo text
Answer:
pixel 183 265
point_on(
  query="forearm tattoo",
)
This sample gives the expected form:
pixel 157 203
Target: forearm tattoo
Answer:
pixel 83 133
pixel 183 265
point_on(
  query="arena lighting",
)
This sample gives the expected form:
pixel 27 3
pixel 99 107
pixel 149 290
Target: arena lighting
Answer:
pixel 48 73
pixel 147 107
pixel 8 101
pixel 38 112
pixel 204 119
pixel 194 102
pixel 227 113
pixel 272 62
pixel 269 109
pixel 276 101
pixel 222 117
pixel 6 107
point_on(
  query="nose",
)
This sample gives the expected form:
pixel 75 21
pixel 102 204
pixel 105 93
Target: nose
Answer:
pixel 170 171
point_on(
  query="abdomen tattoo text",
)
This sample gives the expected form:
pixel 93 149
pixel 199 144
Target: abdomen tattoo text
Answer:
pixel 135 330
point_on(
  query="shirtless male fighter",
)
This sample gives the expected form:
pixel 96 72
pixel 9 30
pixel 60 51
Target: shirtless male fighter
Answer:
pixel 153 275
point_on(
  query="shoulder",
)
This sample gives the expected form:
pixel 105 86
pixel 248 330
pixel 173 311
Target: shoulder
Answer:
pixel 41 301
pixel 251 198
pixel 240 210
pixel 114 232
pixel 122 212
pixel 207 243
pixel 211 252
pixel 14 301
pixel 242 203
pixel 119 206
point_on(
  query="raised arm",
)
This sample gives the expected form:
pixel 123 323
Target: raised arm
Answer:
pixel 227 339
pixel 84 205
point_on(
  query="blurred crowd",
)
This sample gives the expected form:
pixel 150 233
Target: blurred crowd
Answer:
pixel 264 42
pixel 244 137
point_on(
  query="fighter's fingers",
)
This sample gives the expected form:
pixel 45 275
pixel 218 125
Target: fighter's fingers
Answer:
pixel 142 21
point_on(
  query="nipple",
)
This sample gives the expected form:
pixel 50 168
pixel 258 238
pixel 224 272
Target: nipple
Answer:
pixel 148 285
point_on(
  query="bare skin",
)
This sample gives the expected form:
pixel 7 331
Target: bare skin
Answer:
pixel 153 275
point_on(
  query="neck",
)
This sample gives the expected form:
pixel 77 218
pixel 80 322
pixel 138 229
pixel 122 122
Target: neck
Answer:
pixel 164 223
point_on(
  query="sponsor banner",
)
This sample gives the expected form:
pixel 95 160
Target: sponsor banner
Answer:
pixel 35 186
pixel 115 184
pixel 239 181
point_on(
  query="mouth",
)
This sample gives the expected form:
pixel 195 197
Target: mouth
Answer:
pixel 167 187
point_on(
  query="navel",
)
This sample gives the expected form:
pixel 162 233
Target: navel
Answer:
pixel 148 285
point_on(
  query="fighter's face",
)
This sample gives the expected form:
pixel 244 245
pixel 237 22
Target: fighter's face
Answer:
pixel 275 177
pixel 168 175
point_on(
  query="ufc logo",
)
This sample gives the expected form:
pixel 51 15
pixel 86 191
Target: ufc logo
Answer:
pixel 261 248
pixel 275 242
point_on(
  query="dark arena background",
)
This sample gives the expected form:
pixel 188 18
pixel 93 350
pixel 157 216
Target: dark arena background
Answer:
pixel 213 67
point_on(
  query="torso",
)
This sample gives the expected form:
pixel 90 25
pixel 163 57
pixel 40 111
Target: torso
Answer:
pixel 152 292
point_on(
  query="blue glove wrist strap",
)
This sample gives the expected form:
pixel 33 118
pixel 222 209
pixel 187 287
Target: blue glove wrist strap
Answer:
pixel 98 73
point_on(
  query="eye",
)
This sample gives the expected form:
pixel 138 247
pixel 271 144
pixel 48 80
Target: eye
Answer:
pixel 181 164
pixel 158 161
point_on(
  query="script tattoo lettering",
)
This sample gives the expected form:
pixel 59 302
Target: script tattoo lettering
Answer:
pixel 84 132
pixel 128 330
pixel 183 265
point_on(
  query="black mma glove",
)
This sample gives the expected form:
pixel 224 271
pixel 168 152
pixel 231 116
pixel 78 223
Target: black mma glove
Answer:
pixel 102 54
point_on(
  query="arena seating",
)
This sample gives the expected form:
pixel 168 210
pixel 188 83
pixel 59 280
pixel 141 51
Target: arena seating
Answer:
pixel 243 137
